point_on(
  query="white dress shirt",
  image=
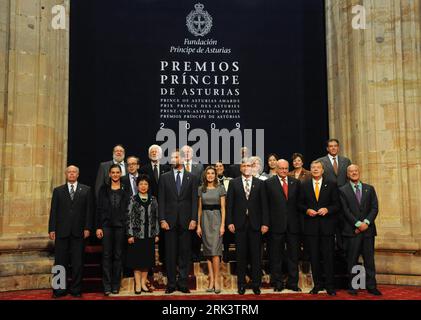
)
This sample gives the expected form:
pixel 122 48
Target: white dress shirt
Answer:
pixel 122 167
pixel 74 186
pixel 282 183
pixel 331 159
pixel 320 184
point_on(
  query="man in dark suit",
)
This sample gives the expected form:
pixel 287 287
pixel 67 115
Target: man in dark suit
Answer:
pixel 248 218
pixel 234 169
pixel 319 202
pixel 285 227
pixel 129 180
pixel 154 169
pixel 177 200
pixel 360 205
pixel 335 170
pixel 103 170
pixel 70 223
pixel 196 169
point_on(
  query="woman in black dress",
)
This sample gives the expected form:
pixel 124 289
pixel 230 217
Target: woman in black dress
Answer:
pixel 111 222
pixel 142 232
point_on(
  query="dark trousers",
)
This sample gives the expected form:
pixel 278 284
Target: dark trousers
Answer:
pixel 227 239
pixel 112 253
pixel 362 245
pixel 178 247
pixel 280 255
pixel 70 250
pixel 322 248
pixel 196 244
pixel 161 247
pixel 248 240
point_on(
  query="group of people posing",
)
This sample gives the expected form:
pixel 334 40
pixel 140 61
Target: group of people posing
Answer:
pixel 189 210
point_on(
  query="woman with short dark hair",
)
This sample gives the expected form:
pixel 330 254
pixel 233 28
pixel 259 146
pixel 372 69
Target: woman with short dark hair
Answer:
pixel 142 233
pixel 299 172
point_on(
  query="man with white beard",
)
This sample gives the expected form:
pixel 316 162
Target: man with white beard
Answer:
pixel 154 169
pixel 102 176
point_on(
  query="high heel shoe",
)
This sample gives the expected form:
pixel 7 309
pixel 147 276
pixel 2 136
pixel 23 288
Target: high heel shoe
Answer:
pixel 148 290
pixel 135 291
pixel 210 290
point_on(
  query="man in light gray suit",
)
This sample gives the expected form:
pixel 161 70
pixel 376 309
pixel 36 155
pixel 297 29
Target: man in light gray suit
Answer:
pixel 102 176
pixel 335 166
pixel 335 170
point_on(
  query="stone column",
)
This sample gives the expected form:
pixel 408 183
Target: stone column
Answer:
pixel 374 85
pixel 34 60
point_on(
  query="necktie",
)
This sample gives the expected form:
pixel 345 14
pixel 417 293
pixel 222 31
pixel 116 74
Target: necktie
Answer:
pixel 134 187
pixel 247 189
pixel 335 166
pixel 188 166
pixel 317 190
pixel 178 182
pixel 72 192
pixel 358 193
pixel 155 172
pixel 285 187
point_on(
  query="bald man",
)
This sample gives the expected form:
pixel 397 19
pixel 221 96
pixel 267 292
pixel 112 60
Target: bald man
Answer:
pixel 360 205
pixel 69 225
pixel 284 219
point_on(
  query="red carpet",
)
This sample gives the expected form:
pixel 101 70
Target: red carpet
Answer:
pixel 389 293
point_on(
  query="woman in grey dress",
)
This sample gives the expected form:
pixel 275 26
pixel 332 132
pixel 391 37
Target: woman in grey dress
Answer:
pixel 211 224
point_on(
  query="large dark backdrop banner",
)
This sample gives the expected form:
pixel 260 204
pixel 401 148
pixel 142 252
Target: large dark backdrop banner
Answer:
pixel 122 69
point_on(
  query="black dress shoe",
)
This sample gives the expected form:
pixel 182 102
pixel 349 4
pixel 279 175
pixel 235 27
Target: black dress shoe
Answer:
pixel 278 288
pixel 352 292
pixel 76 294
pixel 184 290
pixel 331 292
pixel 115 291
pixel 294 288
pixel 107 293
pixel 241 290
pixel 169 290
pixel 57 295
pixel 315 290
pixel 374 291
pixel 256 291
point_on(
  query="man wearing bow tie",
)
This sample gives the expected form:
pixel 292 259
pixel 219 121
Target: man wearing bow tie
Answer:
pixel 69 224
pixel 319 202
pixel 285 227
pixel 103 170
pixel 177 199
pixel 360 205
pixel 248 219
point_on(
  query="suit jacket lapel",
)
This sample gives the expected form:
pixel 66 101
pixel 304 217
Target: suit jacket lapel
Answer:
pixel 241 185
pixel 77 192
pixel 184 181
pixel 172 182
pixel 291 185
pixel 329 163
pixel 279 187
pixel 364 193
pixel 66 193
pixel 351 195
